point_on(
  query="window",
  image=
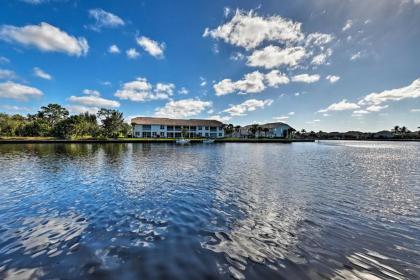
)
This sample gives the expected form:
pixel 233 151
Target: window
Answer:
pixel 207 134
pixel 213 128
pixel 200 134
pixel 147 135
pixel 137 133
pixel 147 127
pixel 162 127
pixel 207 128
pixel 154 134
pixel 220 134
pixel 193 128
pixel 177 128
pixel 170 127
pixel 200 128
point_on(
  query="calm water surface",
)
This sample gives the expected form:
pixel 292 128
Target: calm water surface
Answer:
pixel 332 210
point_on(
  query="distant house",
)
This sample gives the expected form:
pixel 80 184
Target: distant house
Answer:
pixel 270 130
pixel 384 134
pixel 147 127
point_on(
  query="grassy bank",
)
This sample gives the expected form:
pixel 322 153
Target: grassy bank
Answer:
pixel 11 140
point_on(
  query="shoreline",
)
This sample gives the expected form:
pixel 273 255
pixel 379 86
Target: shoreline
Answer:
pixel 48 140
pixel 143 140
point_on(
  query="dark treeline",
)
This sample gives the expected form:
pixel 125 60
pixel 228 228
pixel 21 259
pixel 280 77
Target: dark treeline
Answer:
pixel 54 120
pixel 396 132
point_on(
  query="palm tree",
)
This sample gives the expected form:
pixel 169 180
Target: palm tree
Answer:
pixel 266 130
pixel 228 129
pixel 253 129
pixel 396 129
pixel 259 129
pixel 237 130
pixel 404 130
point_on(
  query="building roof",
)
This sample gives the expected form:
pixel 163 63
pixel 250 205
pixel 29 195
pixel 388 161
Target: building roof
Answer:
pixel 180 122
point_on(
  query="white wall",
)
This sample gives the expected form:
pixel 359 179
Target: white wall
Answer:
pixel 156 131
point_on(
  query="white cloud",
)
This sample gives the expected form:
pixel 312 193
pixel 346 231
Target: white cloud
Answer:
pixel 7 74
pixel 226 11
pixel 274 56
pixel 15 108
pixel 319 39
pixel 340 106
pixel 140 90
pixel 415 110
pixel 18 91
pixel 360 112
pixel 91 92
pixel 45 37
pixel 94 101
pixel 4 60
pixel 248 106
pixel 183 91
pixel 356 56
pixel 305 78
pixel 113 49
pixel 164 89
pixel 42 74
pixel 104 19
pixel 34 2
pixel 276 78
pixel 281 118
pixel 203 81
pixel 106 83
pixel 313 121
pixel 154 48
pixel 249 30
pixel 332 78
pixel 132 53
pixel 410 91
pixel 219 118
pixel 348 25
pixel 291 113
pixel 237 56
pixel 182 108
pixel 250 83
pixel 376 108
pixel 79 109
pixel 321 58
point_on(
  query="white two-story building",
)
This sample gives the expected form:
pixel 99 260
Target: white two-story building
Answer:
pixel 147 127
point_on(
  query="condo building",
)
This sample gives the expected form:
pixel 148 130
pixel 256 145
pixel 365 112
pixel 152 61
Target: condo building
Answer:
pixel 148 127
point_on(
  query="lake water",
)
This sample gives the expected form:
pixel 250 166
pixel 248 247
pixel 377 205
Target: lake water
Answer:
pixel 333 210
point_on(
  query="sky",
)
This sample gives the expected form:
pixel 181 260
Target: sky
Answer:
pixel 331 65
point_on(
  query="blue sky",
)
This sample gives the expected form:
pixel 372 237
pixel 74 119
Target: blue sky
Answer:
pixel 320 65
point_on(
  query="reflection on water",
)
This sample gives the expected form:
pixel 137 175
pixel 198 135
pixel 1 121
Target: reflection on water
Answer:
pixel 333 210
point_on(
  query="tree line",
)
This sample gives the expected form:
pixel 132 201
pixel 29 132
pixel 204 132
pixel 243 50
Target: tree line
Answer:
pixel 54 120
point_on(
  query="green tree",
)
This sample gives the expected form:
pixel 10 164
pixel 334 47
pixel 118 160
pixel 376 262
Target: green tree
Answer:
pixel 228 129
pixel 77 126
pixel 260 130
pixel 11 125
pixel 266 131
pixel 36 127
pixel 184 132
pixel 53 113
pixel 253 129
pixel 112 122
